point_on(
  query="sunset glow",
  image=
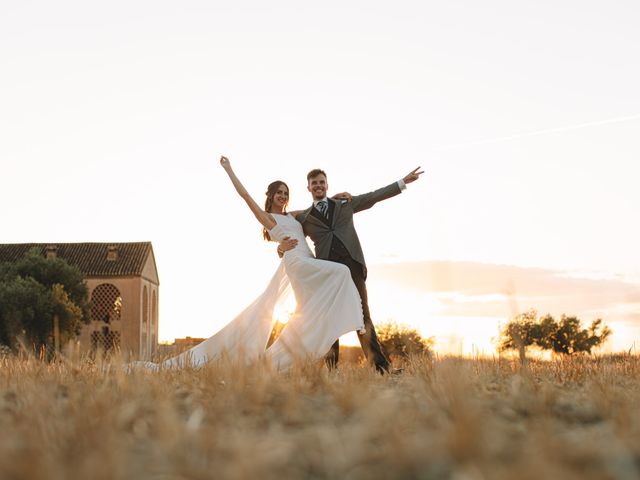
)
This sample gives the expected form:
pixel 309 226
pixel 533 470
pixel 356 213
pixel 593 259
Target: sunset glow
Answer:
pixel 526 123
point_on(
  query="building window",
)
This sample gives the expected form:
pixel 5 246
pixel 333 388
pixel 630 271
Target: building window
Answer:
pixel 144 331
pixel 145 305
pixel 105 339
pixel 106 303
pixel 154 309
pixel 154 321
pixel 106 308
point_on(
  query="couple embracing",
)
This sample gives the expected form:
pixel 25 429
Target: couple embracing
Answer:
pixel 329 288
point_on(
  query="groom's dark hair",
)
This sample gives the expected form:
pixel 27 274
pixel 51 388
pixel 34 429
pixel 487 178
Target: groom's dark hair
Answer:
pixel 314 173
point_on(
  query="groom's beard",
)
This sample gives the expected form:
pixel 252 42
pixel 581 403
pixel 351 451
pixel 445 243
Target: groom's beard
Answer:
pixel 321 195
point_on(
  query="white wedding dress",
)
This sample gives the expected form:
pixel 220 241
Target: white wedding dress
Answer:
pixel 327 306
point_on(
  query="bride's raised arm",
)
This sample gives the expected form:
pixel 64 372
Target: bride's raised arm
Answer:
pixel 265 218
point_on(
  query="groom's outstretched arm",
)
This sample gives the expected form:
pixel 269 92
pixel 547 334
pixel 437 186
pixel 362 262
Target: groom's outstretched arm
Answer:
pixel 368 200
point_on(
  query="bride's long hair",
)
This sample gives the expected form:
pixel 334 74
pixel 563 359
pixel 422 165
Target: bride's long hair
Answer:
pixel 268 203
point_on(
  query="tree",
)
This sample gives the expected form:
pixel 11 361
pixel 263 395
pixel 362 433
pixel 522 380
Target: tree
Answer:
pixel 51 271
pixel 24 304
pixel 401 340
pixel 569 336
pixel 566 336
pixel 35 289
pixel 520 333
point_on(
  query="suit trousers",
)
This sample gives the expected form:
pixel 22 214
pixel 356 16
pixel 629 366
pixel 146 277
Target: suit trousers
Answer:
pixel 368 340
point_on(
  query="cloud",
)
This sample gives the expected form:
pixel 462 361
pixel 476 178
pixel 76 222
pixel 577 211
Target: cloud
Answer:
pixel 481 289
pixel 483 278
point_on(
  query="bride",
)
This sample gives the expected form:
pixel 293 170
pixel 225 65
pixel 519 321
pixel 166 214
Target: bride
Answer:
pixel 327 302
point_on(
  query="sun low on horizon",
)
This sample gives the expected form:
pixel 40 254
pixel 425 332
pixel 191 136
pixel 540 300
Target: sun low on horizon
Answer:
pixel 526 124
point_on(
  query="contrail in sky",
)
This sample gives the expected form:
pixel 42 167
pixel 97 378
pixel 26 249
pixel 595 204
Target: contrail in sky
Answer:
pixel 628 118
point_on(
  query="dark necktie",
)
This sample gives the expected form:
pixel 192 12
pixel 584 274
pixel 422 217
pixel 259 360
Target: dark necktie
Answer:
pixel 323 207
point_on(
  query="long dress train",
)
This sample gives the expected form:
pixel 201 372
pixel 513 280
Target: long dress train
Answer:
pixel 327 306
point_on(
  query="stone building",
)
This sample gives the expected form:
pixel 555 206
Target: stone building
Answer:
pixel 123 284
pixel 179 345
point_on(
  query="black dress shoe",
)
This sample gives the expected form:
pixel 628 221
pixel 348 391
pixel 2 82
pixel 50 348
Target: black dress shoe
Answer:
pixel 390 371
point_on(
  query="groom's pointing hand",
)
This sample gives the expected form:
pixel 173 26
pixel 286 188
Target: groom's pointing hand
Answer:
pixel 413 176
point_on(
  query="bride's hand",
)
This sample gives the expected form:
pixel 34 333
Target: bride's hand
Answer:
pixel 224 161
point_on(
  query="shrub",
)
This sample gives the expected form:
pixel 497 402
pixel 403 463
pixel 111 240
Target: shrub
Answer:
pixel 402 341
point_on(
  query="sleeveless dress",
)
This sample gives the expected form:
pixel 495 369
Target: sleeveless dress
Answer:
pixel 327 306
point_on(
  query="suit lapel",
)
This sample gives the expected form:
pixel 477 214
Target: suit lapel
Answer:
pixel 321 218
pixel 312 215
pixel 334 210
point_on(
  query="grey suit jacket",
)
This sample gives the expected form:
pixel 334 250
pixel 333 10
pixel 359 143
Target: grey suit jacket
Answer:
pixel 342 223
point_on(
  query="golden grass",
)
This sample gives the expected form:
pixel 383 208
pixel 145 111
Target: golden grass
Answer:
pixel 443 418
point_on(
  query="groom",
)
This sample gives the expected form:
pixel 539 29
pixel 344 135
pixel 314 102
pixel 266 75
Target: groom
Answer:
pixel 329 224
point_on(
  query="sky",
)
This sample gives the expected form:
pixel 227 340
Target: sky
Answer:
pixel 524 115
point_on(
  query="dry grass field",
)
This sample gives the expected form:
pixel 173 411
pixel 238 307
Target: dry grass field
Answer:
pixel 443 418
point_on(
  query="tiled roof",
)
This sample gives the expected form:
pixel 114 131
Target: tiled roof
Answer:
pixel 90 258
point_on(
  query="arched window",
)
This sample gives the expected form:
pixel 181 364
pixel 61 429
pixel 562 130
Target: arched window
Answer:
pixel 144 330
pixel 154 321
pixel 154 310
pixel 145 306
pixel 106 311
pixel 106 303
